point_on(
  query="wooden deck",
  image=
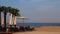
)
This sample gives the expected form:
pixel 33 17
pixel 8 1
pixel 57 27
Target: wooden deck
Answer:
pixel 6 33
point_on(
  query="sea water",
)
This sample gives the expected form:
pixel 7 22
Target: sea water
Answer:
pixel 37 24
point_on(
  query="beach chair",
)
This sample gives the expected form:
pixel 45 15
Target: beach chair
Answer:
pixel 0 29
pixel 16 29
pixel 22 29
pixel 3 29
pixel 28 28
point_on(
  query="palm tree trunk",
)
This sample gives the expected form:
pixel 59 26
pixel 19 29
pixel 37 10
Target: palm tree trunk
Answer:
pixel 0 19
pixel 2 22
pixel 10 22
pixel 15 21
pixel 5 20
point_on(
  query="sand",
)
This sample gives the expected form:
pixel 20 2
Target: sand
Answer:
pixel 43 30
pixel 35 32
pixel 48 29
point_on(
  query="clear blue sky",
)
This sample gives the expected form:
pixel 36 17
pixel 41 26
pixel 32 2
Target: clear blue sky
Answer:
pixel 36 10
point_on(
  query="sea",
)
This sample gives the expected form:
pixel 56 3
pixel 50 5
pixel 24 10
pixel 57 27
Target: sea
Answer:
pixel 37 24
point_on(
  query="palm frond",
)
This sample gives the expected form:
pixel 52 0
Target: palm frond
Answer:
pixel 14 11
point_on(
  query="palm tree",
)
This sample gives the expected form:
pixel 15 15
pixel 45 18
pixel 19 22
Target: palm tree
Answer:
pixel 5 10
pixel 1 9
pixel 14 22
pixel 0 15
pixel 10 11
pixel 17 14
pixel 13 12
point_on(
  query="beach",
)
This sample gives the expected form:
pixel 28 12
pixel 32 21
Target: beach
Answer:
pixel 48 29
pixel 43 30
pixel 35 32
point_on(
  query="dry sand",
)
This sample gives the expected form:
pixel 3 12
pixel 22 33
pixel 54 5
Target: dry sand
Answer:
pixel 35 32
pixel 48 29
pixel 43 30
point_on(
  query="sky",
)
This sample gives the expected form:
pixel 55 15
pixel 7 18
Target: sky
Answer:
pixel 43 11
